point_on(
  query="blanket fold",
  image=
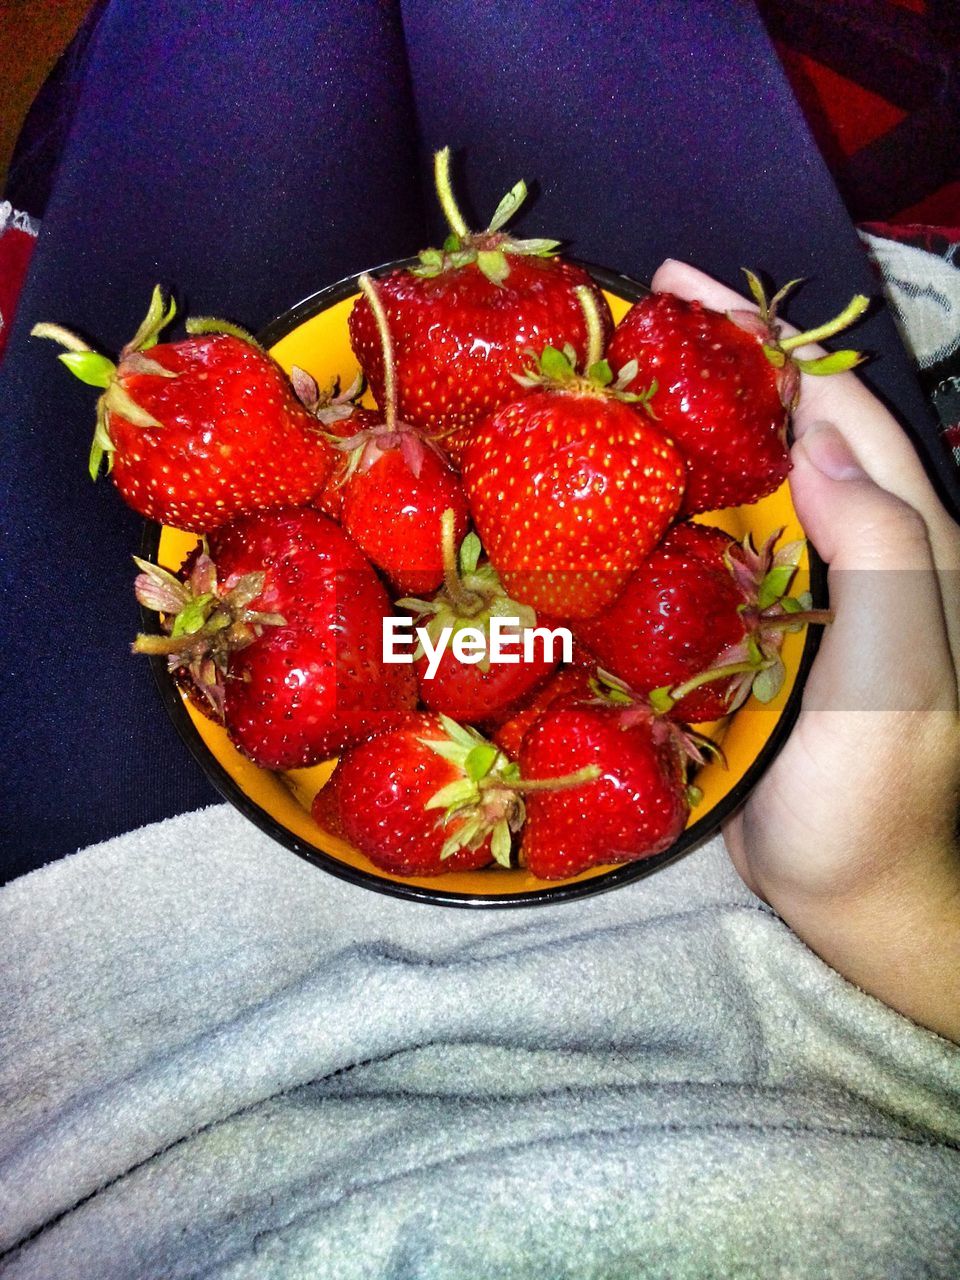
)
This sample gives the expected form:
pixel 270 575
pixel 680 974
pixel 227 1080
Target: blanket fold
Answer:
pixel 217 1061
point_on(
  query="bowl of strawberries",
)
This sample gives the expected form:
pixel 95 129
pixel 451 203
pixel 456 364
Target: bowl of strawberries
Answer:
pixel 475 579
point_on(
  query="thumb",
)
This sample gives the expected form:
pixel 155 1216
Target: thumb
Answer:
pixel 887 647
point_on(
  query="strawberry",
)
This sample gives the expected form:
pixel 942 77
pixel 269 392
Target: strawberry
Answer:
pixel 679 612
pixel 464 318
pixel 700 624
pixel 200 430
pixel 432 796
pixel 280 626
pixel 411 798
pixel 637 807
pixel 571 487
pixel 726 386
pixel 471 598
pixel 340 416
pixel 397 485
pixel 509 730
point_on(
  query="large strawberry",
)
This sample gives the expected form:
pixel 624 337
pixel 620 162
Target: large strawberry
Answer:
pixel 432 796
pixel 726 386
pixel 199 430
pixel 571 487
pixel 472 598
pixel 281 628
pixel 639 804
pixel 464 319
pixel 397 485
pixel 701 622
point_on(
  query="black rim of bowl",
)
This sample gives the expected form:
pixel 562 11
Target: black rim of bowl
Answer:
pixel 545 893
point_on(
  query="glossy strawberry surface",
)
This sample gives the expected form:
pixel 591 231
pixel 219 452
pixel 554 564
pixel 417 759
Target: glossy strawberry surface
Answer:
pixel 392 507
pixel 717 396
pixel 510 728
pixel 309 687
pixel 233 437
pixel 569 491
pixel 382 789
pixel 637 806
pixel 677 614
pixel 459 338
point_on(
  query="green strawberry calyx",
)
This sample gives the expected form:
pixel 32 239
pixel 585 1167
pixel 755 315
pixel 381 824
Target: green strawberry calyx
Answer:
pixel 779 350
pixel 635 708
pixel 491 249
pixel 754 664
pixel 556 370
pixel 97 370
pixel 201 623
pixel 471 594
pixel 487 800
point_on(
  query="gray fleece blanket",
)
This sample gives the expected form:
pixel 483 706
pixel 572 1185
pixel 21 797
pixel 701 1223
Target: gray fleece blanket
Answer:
pixel 216 1060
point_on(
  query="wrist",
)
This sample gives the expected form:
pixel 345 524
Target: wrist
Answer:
pixel 895 934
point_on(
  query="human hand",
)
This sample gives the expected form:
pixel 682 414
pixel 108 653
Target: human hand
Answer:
pixel 851 834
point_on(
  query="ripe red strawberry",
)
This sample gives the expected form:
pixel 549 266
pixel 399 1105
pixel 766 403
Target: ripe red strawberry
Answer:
pixel 510 731
pixel 570 488
pixel 200 430
pixel 283 632
pixel 472 597
pixel 700 624
pixel 340 416
pixel 464 320
pixel 726 386
pixel 411 799
pixel 398 485
pixel 679 612
pixel 637 807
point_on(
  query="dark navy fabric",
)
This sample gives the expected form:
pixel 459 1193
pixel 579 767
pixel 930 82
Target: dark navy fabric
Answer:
pixel 247 154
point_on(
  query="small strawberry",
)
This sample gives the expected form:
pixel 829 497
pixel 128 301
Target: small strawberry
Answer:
pixel 509 730
pixel 704 614
pixel 200 430
pixel 432 796
pixel 397 485
pixel 638 805
pixel 280 626
pixel 571 487
pixel 340 416
pixel 727 384
pixel 464 318
pixel 472 597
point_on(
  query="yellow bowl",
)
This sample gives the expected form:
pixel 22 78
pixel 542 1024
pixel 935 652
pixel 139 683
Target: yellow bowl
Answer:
pixel 313 335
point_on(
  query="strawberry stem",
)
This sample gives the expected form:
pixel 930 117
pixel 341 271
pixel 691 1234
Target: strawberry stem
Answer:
pixel 466 602
pixel 663 699
pixel 441 178
pixel 589 773
pixel 852 311
pixel 61 335
pixel 389 407
pixel 591 314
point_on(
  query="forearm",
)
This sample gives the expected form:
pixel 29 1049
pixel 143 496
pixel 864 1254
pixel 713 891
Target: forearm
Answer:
pixel 898 941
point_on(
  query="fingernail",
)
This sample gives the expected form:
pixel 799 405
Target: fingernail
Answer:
pixel 829 452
